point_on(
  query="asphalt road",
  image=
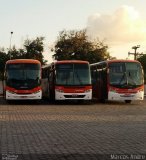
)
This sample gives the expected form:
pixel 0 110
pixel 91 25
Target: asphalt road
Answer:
pixel 69 130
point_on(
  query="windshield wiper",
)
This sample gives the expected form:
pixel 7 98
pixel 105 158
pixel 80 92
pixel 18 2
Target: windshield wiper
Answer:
pixel 78 78
pixel 123 76
pixel 132 79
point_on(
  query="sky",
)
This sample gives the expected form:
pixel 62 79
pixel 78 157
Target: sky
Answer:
pixel 121 24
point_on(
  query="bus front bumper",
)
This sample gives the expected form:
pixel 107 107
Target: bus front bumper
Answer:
pixel 73 96
pixel 32 96
pixel 124 96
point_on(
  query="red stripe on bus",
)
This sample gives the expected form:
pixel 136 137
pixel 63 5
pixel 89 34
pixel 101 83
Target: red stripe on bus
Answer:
pixel 33 61
pixel 23 91
pixel 72 61
pixel 127 90
pixel 121 60
pixel 73 89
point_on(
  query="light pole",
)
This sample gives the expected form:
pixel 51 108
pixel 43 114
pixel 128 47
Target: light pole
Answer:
pixel 135 53
pixel 10 43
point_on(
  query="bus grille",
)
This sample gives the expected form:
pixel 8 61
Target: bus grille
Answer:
pixel 74 96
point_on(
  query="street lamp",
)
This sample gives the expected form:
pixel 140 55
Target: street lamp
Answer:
pixel 10 43
pixel 135 53
pixel 135 47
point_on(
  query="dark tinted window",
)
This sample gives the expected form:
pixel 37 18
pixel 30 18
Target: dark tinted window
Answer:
pixel 23 75
pixel 72 74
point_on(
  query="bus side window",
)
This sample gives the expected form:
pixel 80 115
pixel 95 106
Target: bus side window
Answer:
pixel 51 77
pixel 104 72
pixel 94 74
pixel 43 75
pixel 99 73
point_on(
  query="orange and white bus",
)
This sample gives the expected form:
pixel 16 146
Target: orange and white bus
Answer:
pixel 23 79
pixel 67 80
pixel 117 80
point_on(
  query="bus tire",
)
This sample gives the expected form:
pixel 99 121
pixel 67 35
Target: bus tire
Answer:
pixel 102 100
pixel 9 101
pixel 127 101
pixel 52 97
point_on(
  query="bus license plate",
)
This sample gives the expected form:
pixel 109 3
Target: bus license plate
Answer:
pixel 74 95
pixel 127 95
pixel 23 96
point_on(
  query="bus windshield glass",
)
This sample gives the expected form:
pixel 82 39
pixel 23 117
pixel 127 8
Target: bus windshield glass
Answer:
pixel 73 74
pixel 23 76
pixel 125 74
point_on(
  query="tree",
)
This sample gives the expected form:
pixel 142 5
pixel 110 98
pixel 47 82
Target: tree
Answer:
pixel 142 60
pixel 3 58
pixel 16 54
pixel 34 49
pixel 75 45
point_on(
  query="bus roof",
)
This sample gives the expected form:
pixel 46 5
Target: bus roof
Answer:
pixel 121 60
pixel 23 61
pixel 115 61
pixel 71 61
pixel 65 62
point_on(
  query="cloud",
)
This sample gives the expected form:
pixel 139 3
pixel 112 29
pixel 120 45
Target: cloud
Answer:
pixel 123 26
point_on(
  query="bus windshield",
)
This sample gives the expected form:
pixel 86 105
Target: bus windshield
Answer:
pixel 23 76
pixel 73 74
pixel 125 74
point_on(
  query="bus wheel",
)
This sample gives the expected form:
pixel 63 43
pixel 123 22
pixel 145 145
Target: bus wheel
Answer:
pixel 9 101
pixel 127 101
pixel 102 100
pixel 51 97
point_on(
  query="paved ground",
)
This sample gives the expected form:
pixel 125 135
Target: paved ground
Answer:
pixel 72 131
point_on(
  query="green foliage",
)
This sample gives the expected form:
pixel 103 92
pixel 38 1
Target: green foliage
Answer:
pixel 16 54
pixel 33 49
pixel 142 60
pixel 75 45
pixel 3 58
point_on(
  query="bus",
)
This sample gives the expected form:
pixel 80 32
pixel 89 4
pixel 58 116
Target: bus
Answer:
pixel 121 80
pixel 67 80
pixel 22 80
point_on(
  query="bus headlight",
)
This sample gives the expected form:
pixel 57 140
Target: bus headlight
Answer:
pixel 37 91
pixel 141 90
pixel 59 90
pixel 112 90
pixel 11 92
pixel 89 90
